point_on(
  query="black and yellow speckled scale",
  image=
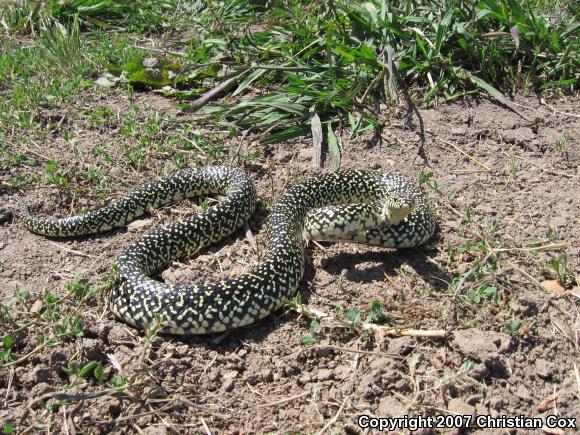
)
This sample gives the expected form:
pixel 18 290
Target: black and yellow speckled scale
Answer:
pixel 387 211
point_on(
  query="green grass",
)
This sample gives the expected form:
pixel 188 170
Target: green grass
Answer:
pixel 26 16
pixel 299 60
pixel 341 60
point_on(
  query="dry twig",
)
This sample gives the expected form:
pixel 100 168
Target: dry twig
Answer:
pixel 383 330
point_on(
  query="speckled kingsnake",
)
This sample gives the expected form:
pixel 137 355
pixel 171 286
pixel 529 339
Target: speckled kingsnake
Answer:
pixel 387 211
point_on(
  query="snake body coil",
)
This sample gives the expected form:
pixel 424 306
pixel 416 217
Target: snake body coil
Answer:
pixel 387 211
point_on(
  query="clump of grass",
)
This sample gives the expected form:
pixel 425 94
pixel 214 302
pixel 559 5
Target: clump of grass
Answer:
pixel 338 59
pixel 561 143
pixel 63 46
pixel 28 16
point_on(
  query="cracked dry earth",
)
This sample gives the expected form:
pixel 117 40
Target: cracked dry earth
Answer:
pixel 513 351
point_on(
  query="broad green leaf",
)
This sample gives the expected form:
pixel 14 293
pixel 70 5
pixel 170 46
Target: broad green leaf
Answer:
pixel 442 31
pixel 289 133
pixel 251 78
pixel 88 368
pixel 8 342
pixel 493 92
pixel 307 340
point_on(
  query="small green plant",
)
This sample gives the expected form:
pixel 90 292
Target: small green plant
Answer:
pixel 452 194
pixel 203 204
pixel 68 136
pixel 376 313
pixel 63 45
pixel 468 216
pixel 7 345
pixel 101 115
pixel 560 144
pixel 118 381
pixel 251 157
pixel 69 326
pixel 352 316
pixel 307 340
pixel 21 294
pixel 101 151
pixel 53 176
pixel 80 287
pixel 315 331
pixel 495 225
pixel 7 428
pixel 512 326
pixel 484 293
pixel 76 372
pixel 427 178
pixel 559 265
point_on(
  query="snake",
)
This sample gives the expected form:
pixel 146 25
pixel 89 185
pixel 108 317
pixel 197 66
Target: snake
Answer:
pixel 380 209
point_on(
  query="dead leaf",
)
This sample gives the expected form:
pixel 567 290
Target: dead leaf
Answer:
pixel 548 403
pixel 553 286
pixel 380 335
pixel 251 238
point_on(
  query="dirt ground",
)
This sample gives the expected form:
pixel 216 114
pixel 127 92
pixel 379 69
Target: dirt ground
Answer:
pixel 511 351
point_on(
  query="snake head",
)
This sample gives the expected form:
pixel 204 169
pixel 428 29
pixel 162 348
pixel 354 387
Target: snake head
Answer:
pixel 400 199
pixel 397 206
pixel 397 212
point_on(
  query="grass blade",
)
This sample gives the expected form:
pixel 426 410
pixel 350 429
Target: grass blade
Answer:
pixel 493 92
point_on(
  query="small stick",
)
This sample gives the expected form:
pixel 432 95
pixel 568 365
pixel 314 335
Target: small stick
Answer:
pixel 72 251
pixel 385 330
pixel 373 84
pixel 467 171
pixel 240 143
pixel 543 102
pixel 251 239
pixel 192 142
pixel 8 388
pixel 549 246
pixel 577 376
pixel 205 426
pixel 456 148
pixel 216 90
pixel 60 395
pixel 547 171
pixel 162 50
pixel 334 418
pixel 318 245
pixel 286 400
pixel 527 275
pixel 24 357
pixel 40 156
pixel 357 351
